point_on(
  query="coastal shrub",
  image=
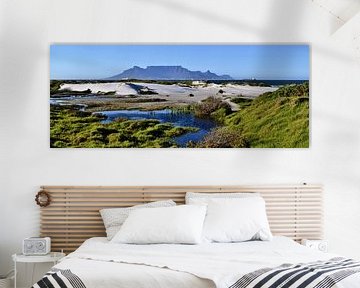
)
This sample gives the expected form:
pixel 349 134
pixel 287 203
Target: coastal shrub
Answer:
pixel 224 137
pixel 293 90
pixel 221 91
pixel 240 100
pixel 219 115
pixel 256 83
pixel 191 95
pixel 210 105
pixel 55 86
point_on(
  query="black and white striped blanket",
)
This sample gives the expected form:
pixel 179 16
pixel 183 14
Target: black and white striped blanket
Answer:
pixel 320 274
pixel 57 278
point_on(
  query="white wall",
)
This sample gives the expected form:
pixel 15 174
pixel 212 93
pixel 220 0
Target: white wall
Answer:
pixel 28 27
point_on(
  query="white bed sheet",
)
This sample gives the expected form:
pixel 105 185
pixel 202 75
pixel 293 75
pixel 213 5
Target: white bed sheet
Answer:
pixel 100 263
pixel 101 274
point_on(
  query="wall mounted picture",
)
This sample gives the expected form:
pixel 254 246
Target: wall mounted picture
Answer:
pixel 179 96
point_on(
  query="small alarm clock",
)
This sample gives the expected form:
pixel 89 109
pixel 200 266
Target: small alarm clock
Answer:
pixel 36 246
pixel 320 245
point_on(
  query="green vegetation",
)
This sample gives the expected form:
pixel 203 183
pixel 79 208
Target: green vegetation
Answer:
pixel 55 86
pixel 256 83
pixel 224 137
pixel 278 119
pixel 70 127
pixel 210 106
pixel 150 104
pixel 242 102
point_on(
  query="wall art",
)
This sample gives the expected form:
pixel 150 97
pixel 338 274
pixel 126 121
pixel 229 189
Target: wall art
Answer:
pixel 179 96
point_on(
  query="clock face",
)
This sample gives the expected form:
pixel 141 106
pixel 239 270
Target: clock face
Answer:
pixel 36 246
pixel 29 245
pixel 40 245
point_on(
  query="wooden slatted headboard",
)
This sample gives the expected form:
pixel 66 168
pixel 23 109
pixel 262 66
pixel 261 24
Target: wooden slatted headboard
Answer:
pixel 73 215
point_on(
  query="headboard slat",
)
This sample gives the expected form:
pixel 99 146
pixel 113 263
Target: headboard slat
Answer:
pixel 73 216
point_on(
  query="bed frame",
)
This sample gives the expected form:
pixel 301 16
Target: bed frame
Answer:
pixel 73 214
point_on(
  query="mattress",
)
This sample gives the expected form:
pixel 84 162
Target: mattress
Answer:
pixel 99 263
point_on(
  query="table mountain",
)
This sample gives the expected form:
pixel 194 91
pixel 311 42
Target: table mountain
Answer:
pixel 167 73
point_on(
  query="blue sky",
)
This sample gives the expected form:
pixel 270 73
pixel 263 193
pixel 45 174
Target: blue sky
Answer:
pixel 290 62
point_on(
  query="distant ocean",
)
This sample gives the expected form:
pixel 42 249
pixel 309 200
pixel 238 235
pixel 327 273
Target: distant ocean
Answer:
pixel 267 82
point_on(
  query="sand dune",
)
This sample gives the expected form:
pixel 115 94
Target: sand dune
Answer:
pixel 119 88
pixel 173 90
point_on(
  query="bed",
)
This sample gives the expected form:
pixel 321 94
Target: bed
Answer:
pixel 294 211
pixel 99 263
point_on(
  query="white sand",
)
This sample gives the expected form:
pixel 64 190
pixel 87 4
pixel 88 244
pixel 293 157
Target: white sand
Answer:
pixel 119 88
pixel 173 90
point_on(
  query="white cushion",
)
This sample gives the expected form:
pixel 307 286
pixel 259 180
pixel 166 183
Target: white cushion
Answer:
pixel 113 218
pixel 236 220
pixel 173 225
pixel 204 198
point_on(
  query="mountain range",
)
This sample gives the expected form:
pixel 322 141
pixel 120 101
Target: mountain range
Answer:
pixel 167 73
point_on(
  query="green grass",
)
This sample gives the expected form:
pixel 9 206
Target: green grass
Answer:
pixel 70 128
pixel 242 102
pixel 151 104
pixel 278 119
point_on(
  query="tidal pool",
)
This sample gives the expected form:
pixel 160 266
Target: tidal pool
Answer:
pixel 167 115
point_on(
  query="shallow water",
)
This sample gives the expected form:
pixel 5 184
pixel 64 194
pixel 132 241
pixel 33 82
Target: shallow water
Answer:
pixel 167 115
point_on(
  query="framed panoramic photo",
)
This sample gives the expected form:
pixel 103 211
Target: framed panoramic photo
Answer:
pixel 179 96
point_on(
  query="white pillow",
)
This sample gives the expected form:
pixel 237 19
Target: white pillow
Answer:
pixel 113 218
pixel 236 220
pixel 204 198
pixel 173 225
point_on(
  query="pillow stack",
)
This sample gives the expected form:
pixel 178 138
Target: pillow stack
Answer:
pixel 219 217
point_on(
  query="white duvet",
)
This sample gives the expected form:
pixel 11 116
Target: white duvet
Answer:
pixel 100 263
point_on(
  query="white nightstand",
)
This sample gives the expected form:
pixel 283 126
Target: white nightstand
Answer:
pixel 53 257
pixel 320 245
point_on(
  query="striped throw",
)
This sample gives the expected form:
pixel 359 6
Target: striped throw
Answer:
pixel 57 278
pixel 320 274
